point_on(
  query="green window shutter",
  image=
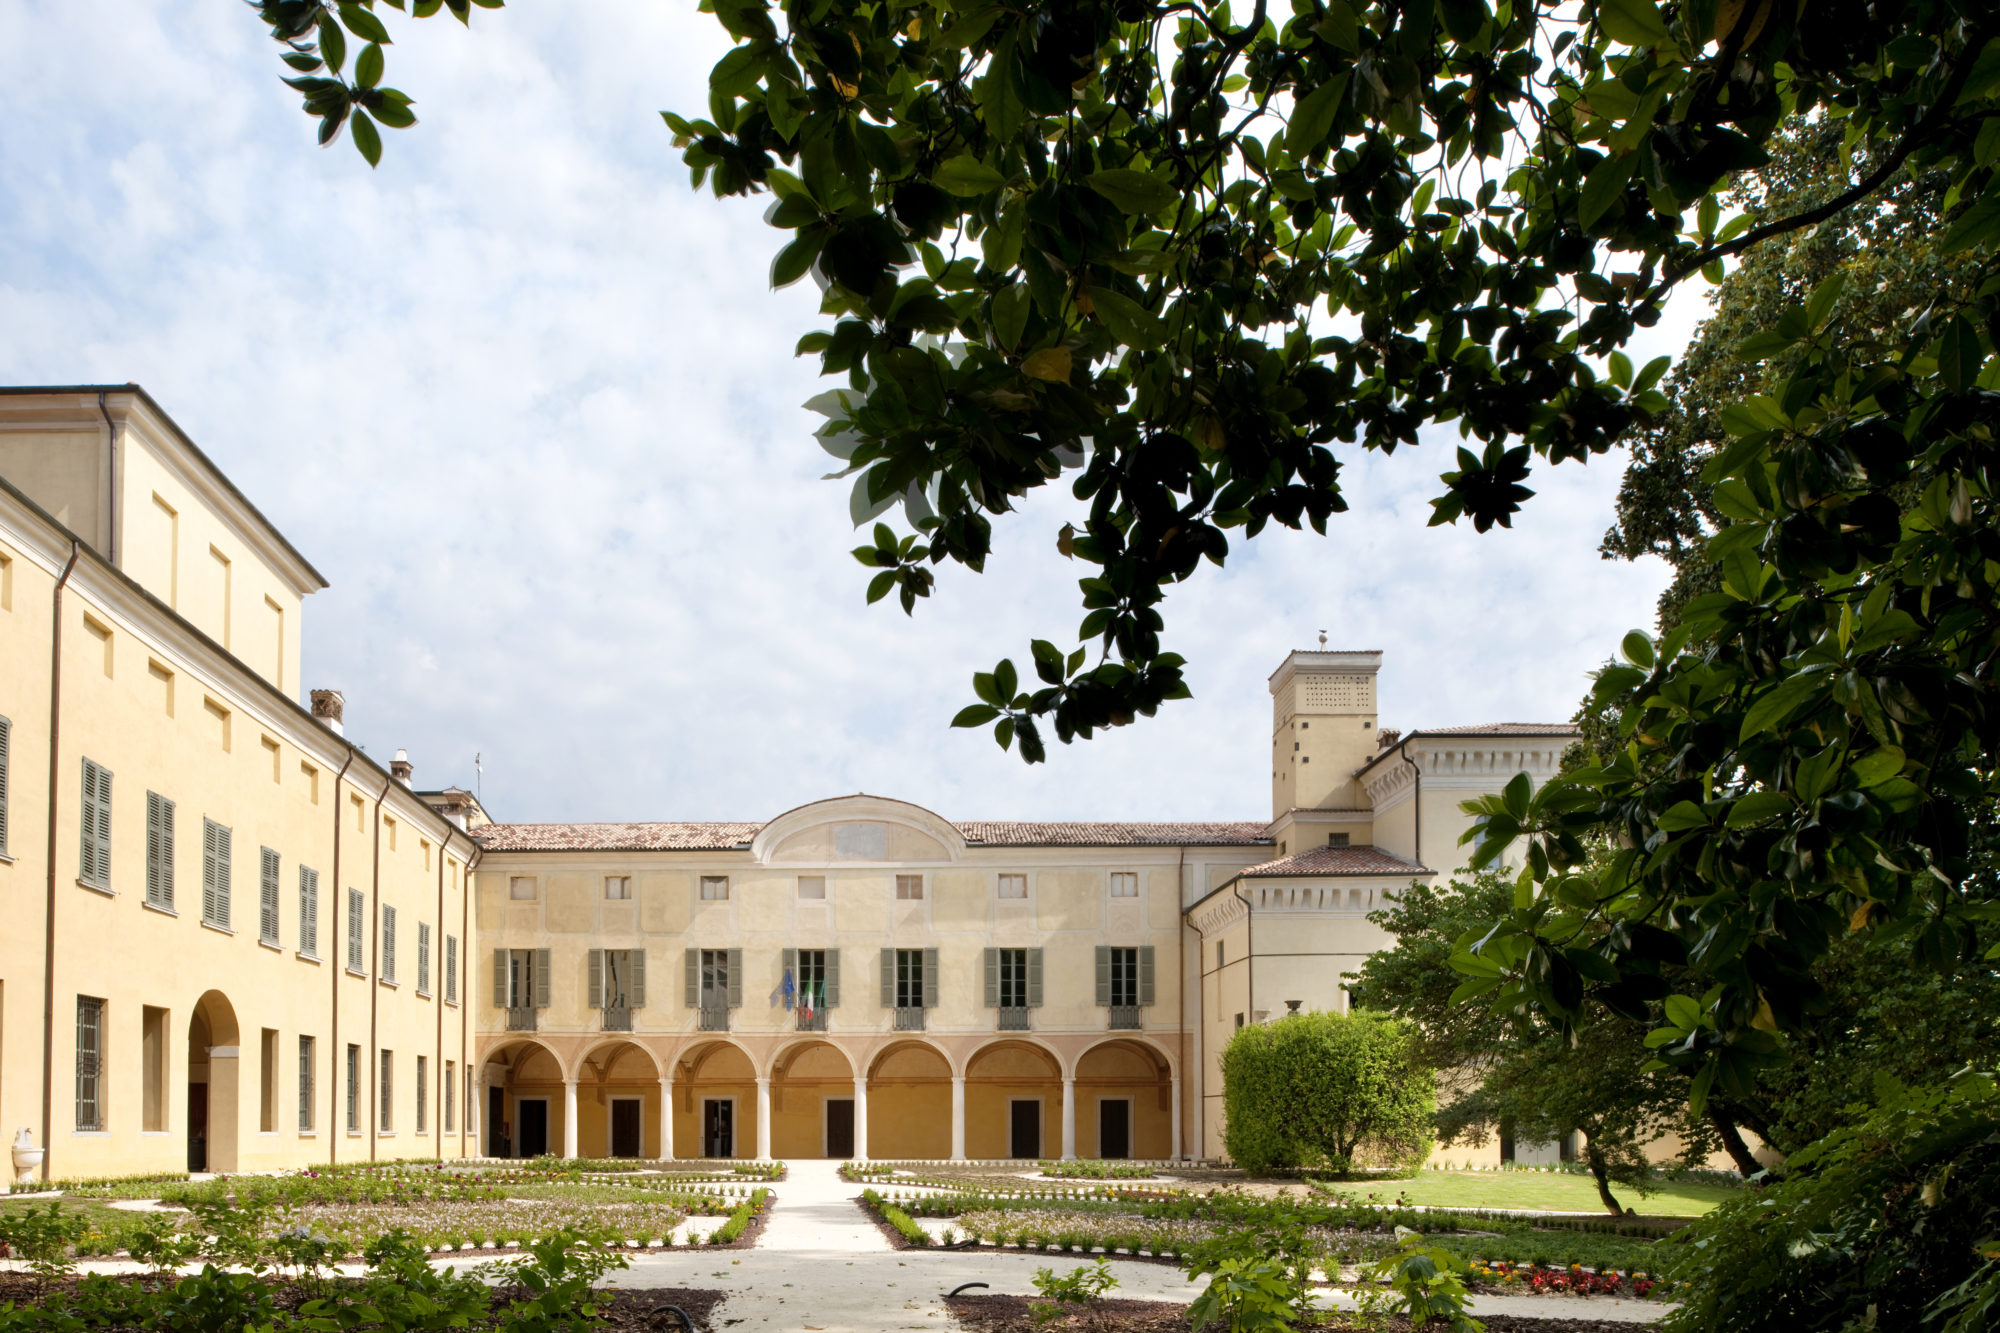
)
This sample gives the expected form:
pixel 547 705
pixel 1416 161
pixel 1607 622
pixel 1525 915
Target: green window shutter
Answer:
pixel 267 895
pixel 541 978
pixel 735 978
pixel 354 925
pixel 1034 978
pixel 223 857
pixel 388 943
pixel 596 1000
pixel 832 978
pixel 88 864
pixel 308 912
pixel 1103 974
pixel 992 978
pixel 930 978
pixel 211 855
pixel 6 733
pixel 451 969
pixel 423 958
pixel 1145 974
pixel 888 978
pixel 635 984
pixel 692 989
pixel 499 978
pixel 154 863
pixel 788 965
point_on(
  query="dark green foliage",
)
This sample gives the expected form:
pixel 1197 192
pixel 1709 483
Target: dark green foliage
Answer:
pixel 1888 1223
pixel 1325 1090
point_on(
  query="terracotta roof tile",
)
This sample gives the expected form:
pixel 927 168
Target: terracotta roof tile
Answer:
pixel 1504 729
pixel 712 837
pixel 1353 860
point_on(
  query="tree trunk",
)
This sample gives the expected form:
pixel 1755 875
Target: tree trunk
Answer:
pixel 1732 1142
pixel 1595 1160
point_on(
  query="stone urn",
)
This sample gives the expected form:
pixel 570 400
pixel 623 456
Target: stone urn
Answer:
pixel 27 1157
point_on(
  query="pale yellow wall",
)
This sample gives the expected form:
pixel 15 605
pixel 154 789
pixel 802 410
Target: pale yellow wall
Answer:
pixel 63 471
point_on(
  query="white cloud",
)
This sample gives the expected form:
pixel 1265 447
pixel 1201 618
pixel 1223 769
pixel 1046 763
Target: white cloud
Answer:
pixel 525 398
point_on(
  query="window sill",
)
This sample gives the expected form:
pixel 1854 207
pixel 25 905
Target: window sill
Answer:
pixel 356 972
pixel 308 1133
pixel 90 1133
pixel 220 930
pixel 452 1003
pixel 423 995
pixel 96 888
pixel 151 906
pixel 267 1133
pixel 6 860
pixel 390 984
pixel 385 1133
pixel 155 1133
pixel 272 945
pixel 304 957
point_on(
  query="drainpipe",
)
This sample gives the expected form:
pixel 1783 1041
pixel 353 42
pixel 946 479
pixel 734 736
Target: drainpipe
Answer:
pixel 334 1128
pixel 1180 987
pixel 375 978
pixel 111 427
pixel 49 921
pixel 464 994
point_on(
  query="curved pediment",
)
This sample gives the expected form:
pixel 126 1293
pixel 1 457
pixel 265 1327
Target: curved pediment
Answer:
pixel 858 830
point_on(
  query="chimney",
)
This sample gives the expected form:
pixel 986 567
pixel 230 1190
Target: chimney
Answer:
pixel 400 767
pixel 327 706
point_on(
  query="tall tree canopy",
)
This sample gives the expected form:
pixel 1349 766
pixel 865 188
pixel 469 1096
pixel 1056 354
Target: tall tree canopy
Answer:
pixel 1181 255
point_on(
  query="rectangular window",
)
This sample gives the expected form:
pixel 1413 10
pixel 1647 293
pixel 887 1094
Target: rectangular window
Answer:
pixel 306 1096
pixel 89 1064
pixel 812 887
pixel 811 980
pixel 423 1094
pixel 6 735
pixel 267 1082
pixel 521 888
pixel 155 1095
pixel 308 912
pixel 909 978
pixel 95 863
pixel 215 874
pixel 618 887
pixel 353 1089
pixel 357 924
pixel 423 958
pixel 451 969
pixel 527 978
pixel 389 945
pixel 909 888
pixel 1013 978
pixel 1124 884
pixel 159 851
pixel 267 897
pixel 714 888
pixel 714 978
pixel 1336 839
pixel 387 1123
pixel 1124 968
pixel 1013 886
pixel 450 1095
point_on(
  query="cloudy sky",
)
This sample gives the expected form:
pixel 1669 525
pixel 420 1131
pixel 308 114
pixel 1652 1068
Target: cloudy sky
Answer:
pixel 527 401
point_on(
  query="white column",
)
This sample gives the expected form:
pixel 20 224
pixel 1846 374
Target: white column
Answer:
pixel 475 1117
pixel 763 1119
pixel 667 1118
pixel 860 1117
pixel 958 1117
pixel 1069 1120
pixel 569 1117
pixel 1175 1141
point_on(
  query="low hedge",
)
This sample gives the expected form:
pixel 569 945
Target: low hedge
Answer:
pixel 906 1226
pixel 739 1219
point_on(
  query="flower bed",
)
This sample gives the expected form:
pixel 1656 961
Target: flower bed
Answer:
pixel 1575 1280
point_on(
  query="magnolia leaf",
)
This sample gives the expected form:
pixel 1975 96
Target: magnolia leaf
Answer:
pixel 1633 22
pixel 967 175
pixel 1048 363
pixel 1133 191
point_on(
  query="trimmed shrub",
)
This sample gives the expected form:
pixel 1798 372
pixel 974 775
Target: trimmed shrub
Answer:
pixel 1325 1090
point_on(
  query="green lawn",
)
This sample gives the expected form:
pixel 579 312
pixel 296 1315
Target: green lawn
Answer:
pixel 1553 1191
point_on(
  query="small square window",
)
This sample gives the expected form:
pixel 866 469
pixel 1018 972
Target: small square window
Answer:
pixel 618 886
pixel 1013 886
pixel 909 888
pixel 714 888
pixel 812 886
pixel 521 888
pixel 1124 885
pixel 1336 839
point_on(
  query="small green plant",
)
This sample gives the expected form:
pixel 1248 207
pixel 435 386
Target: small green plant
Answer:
pixel 562 1271
pixel 1082 1288
pixel 1258 1280
pixel 46 1238
pixel 160 1244
pixel 1429 1283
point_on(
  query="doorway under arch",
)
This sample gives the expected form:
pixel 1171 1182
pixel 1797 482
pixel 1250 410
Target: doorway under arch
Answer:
pixel 213 1059
pixel 812 1102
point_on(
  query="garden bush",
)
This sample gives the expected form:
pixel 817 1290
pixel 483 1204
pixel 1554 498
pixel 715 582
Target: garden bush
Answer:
pixel 906 1226
pixel 1326 1091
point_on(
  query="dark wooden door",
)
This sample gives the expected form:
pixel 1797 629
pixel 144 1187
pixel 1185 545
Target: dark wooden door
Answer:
pixel 498 1143
pixel 840 1128
pixel 533 1135
pixel 1114 1127
pixel 718 1128
pixel 197 1126
pixel 625 1127
pixel 1024 1129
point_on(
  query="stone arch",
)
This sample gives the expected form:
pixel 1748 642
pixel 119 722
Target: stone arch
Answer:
pixel 524 1082
pixel 621 1043
pixel 715 1099
pixel 1002 1077
pixel 1169 1067
pixel 215 1090
pixel 910 1101
pixel 618 1098
pixel 1124 1099
pixel 812 1100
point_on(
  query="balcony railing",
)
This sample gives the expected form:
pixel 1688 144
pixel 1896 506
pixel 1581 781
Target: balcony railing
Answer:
pixel 1013 1018
pixel 520 1018
pixel 814 1021
pixel 617 1018
pixel 1125 1018
pixel 714 1016
pixel 909 1018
